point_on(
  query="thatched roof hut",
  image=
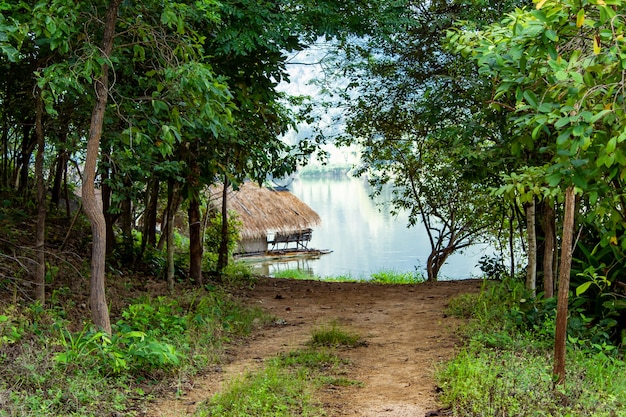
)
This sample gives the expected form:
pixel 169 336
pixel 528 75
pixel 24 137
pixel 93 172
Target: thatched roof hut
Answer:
pixel 265 212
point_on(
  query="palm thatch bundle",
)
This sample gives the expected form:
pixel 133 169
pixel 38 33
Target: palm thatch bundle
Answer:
pixel 262 210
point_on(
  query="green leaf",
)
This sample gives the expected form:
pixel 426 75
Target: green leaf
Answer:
pixel 562 122
pixel 530 98
pixel 599 115
pixel 579 181
pixel 564 136
pixel 611 144
pixel 582 288
pixel 11 53
pixel 579 130
pixel 554 179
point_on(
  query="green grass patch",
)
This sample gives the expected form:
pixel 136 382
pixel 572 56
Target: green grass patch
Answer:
pixel 391 276
pixel 285 387
pixel 506 367
pixel 332 335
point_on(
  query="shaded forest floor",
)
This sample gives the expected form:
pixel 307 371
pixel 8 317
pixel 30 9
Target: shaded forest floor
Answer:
pixel 406 331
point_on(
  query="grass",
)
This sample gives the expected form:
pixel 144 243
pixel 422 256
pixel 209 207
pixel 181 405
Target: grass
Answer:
pixel 506 368
pixel 287 384
pixel 48 369
pixel 333 335
pixel 385 276
pixel 390 276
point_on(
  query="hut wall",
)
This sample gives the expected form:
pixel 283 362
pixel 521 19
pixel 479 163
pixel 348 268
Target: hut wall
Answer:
pixel 253 245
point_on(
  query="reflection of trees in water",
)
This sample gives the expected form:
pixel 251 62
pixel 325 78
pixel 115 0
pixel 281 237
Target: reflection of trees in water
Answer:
pixel 274 266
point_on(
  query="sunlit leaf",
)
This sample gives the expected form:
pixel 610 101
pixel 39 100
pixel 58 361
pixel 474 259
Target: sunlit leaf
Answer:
pixel 596 45
pixel 580 18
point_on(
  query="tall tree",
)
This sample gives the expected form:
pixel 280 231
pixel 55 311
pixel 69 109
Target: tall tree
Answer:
pixel 91 203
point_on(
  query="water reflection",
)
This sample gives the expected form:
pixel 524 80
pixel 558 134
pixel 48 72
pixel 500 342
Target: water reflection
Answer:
pixel 364 239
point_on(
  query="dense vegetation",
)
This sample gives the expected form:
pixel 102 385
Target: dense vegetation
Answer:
pixel 505 367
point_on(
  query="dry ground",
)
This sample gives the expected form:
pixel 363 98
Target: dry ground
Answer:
pixel 405 327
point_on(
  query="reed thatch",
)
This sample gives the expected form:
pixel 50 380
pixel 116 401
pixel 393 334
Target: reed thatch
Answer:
pixel 262 210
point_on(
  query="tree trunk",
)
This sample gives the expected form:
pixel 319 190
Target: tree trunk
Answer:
pixel 512 244
pixel 40 235
pixel 4 170
pixel 222 260
pixel 149 218
pixel 531 271
pixel 195 219
pixel 59 170
pixel 109 219
pixel 22 170
pixel 172 206
pixel 563 294
pixel 149 222
pixel 92 207
pixel 195 240
pixel 126 223
pixel 548 250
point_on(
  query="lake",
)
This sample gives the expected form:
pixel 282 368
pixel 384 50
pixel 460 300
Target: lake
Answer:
pixel 363 238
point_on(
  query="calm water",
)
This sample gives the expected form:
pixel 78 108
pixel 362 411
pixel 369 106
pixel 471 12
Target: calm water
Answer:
pixel 363 238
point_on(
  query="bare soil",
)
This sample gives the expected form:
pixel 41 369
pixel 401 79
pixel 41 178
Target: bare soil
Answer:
pixel 406 331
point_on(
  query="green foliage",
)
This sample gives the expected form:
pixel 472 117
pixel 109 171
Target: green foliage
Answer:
pixel 132 352
pixel 238 274
pixel 595 274
pixel 493 267
pixel 395 277
pixel 506 368
pixel 564 106
pixel 12 326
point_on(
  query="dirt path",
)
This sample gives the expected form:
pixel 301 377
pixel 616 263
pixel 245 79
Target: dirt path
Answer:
pixel 405 327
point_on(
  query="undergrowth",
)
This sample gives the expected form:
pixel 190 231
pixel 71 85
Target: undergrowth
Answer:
pixel 47 369
pixel 505 368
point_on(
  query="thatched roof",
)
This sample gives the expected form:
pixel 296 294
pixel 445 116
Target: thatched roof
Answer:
pixel 262 210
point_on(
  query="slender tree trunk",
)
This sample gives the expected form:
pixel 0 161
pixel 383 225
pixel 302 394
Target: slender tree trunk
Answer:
pixel 148 236
pixel 548 254
pixel 563 294
pixel 109 219
pixel 40 235
pixel 531 272
pixel 4 170
pixel 60 169
pixel 222 260
pixel 92 207
pixel 28 145
pixel 512 244
pixel 195 221
pixel 195 240
pixel 172 191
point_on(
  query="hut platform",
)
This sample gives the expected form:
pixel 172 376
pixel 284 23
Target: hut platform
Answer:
pixel 282 254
